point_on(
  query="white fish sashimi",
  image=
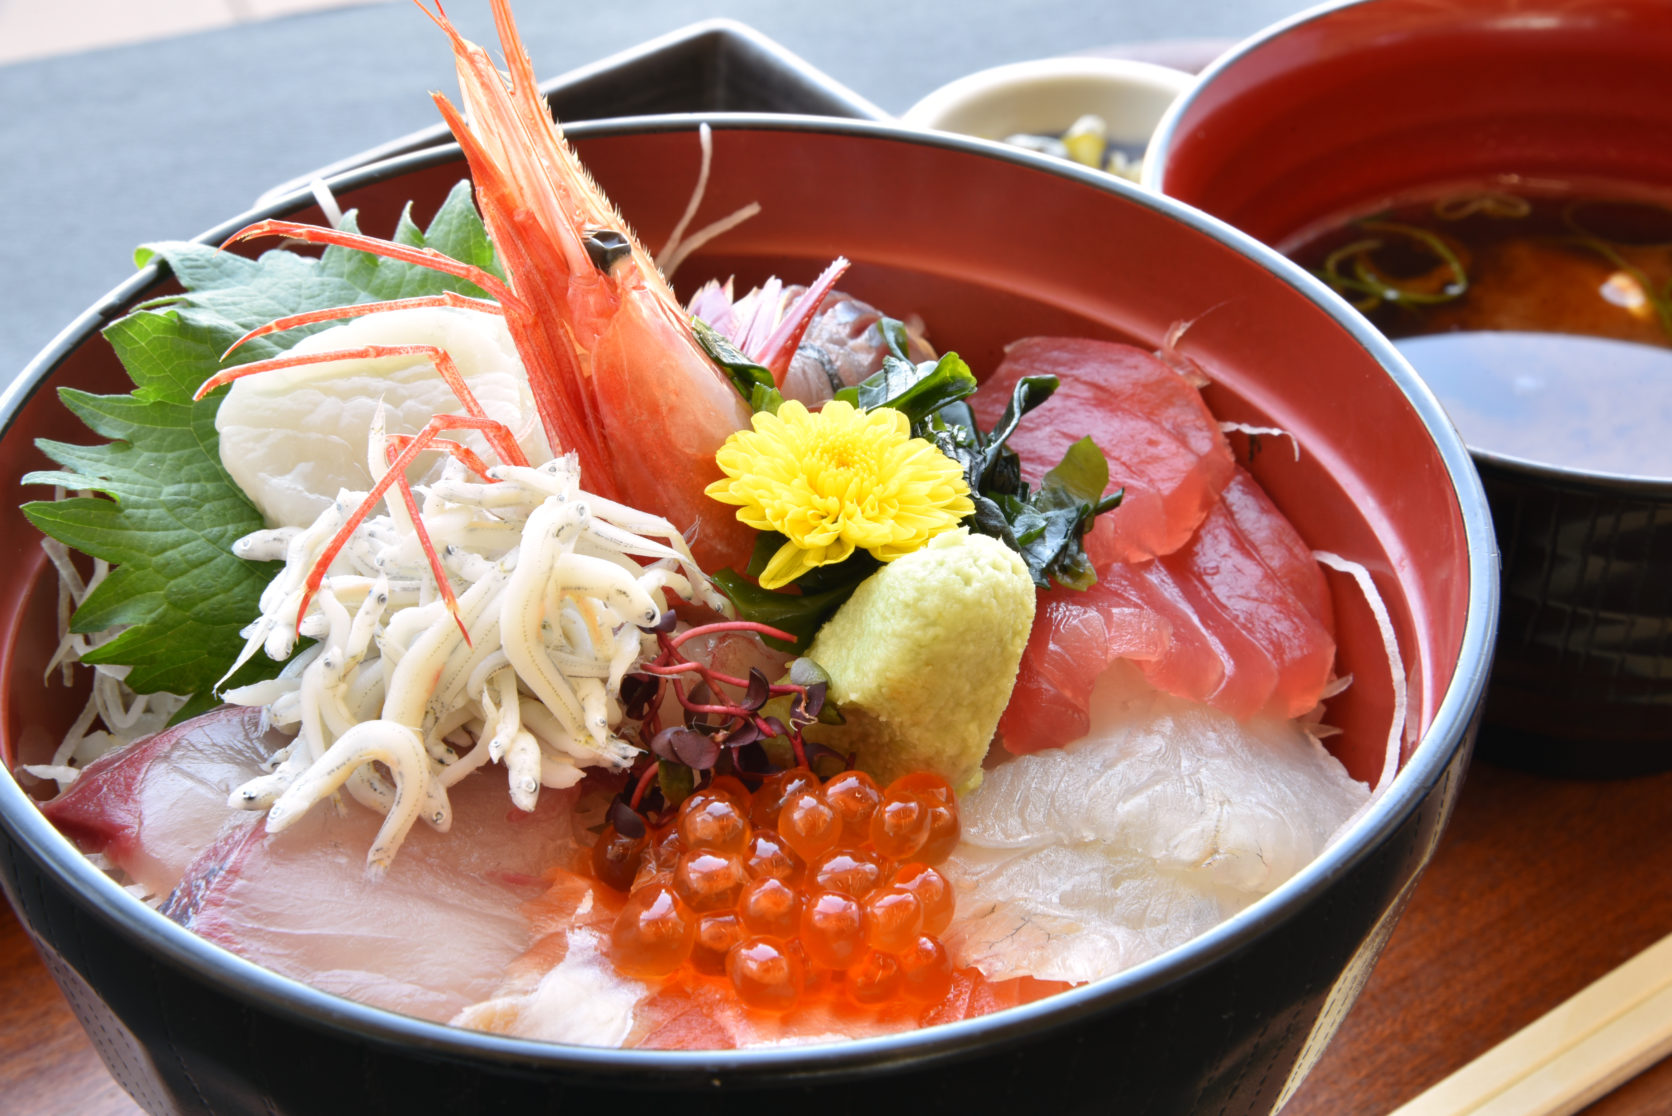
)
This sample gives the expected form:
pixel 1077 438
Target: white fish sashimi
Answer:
pixel 1167 818
pixel 581 1000
pixel 293 438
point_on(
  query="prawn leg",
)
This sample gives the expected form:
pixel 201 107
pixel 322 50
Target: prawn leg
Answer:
pixel 396 475
pixel 451 299
pixel 423 257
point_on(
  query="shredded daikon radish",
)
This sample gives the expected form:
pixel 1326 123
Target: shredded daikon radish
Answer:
pixel 677 248
pixel 125 715
pixel 61 774
pixel 1256 431
pixel 1396 667
pixel 1169 353
pixel 327 202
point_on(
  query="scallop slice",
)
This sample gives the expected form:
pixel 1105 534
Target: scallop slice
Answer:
pixel 292 438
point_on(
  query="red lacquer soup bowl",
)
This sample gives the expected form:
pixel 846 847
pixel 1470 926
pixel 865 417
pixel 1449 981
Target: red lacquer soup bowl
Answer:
pixel 987 246
pixel 1352 109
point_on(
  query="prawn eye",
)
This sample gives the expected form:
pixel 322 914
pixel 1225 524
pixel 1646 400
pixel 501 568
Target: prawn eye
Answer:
pixel 605 246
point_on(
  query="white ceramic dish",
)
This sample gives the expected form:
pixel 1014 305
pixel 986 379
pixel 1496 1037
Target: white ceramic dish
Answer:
pixel 1045 96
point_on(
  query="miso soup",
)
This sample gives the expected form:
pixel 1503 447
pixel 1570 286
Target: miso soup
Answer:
pixel 1541 319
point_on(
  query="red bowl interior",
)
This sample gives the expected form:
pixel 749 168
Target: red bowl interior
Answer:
pixel 1033 250
pixel 1343 109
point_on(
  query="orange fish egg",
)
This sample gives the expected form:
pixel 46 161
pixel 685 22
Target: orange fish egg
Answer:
pixel 653 934
pixel 798 893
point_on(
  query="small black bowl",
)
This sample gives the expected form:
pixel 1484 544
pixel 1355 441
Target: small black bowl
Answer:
pixel 1228 1023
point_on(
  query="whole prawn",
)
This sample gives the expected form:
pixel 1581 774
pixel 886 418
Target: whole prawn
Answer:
pixel 556 590
pixel 616 372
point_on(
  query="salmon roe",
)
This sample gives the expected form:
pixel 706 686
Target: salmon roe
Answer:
pixel 800 885
pixel 654 933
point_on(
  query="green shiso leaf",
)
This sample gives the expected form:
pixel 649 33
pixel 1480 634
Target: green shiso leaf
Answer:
pixel 165 513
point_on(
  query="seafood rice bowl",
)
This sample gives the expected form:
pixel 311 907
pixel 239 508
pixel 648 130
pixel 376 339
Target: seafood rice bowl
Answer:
pixel 578 684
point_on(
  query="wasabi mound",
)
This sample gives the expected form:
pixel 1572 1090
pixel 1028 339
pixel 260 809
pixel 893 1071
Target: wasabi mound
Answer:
pixel 922 658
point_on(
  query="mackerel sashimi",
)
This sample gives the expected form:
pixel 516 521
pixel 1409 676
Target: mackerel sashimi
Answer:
pixel 150 807
pixel 1163 445
pixel 433 936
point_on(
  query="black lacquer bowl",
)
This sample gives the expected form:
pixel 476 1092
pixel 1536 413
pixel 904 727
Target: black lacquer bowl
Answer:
pixel 987 245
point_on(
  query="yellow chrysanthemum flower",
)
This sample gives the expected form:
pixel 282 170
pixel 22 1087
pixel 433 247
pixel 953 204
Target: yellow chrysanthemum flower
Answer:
pixel 838 480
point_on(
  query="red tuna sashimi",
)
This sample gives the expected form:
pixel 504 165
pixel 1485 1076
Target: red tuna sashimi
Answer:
pixel 431 937
pixel 154 805
pixel 1076 635
pixel 1244 563
pixel 1163 445
pixel 1135 611
pixel 1279 545
pixel 1243 613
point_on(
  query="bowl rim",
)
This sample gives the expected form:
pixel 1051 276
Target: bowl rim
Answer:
pixel 295 1001
pixel 1153 176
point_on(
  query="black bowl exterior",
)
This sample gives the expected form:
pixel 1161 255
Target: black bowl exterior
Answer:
pixel 1228 1023
pixel 1582 678
pixel 1233 1038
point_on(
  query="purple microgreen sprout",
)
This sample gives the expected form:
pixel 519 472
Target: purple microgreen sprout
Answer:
pixel 807 707
pixel 627 821
pixel 665 624
pixel 638 695
pixel 752 759
pixel 757 693
pixel 696 750
pixel 724 720
pixel 746 733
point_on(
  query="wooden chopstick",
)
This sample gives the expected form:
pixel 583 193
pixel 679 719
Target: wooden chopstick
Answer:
pixel 1580 1050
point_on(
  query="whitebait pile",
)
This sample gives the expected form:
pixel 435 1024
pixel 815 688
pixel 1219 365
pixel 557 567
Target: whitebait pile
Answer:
pixel 556 607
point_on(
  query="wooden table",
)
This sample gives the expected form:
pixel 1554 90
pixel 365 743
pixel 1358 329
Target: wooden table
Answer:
pixel 1539 887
